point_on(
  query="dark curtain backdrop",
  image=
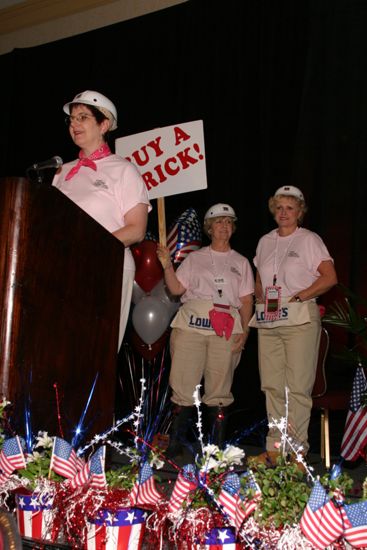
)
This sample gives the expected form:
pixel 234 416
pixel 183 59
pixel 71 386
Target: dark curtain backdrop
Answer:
pixel 280 86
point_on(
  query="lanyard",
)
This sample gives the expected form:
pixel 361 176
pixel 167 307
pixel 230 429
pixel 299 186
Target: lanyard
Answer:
pixel 219 279
pixel 275 266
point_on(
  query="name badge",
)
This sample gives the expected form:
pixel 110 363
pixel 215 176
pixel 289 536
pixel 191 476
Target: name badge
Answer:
pixel 272 302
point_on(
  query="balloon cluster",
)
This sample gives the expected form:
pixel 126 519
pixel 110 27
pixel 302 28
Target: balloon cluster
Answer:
pixel 154 306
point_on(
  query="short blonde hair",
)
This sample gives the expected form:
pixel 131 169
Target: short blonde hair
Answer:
pixel 273 201
pixel 209 222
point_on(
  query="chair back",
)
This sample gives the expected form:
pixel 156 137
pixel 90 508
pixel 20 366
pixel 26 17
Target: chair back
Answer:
pixel 320 386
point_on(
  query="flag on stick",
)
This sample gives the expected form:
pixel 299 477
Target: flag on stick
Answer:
pixel 355 431
pixel 322 522
pixel 144 491
pixel 11 457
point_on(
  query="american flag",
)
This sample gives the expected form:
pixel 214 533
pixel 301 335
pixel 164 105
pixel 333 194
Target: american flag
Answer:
pixel 64 460
pixel 144 491
pixel 184 236
pixel 93 471
pixel 186 481
pixel 355 431
pixel 11 457
pixel 228 496
pixel 356 525
pixel 246 506
pixel 322 521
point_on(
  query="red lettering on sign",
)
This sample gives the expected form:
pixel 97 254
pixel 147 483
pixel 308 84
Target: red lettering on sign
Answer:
pixel 138 159
pixel 185 158
pixel 171 166
pixel 167 165
pixel 149 180
pixel 142 156
pixel 160 174
pixel 155 146
pixel 180 135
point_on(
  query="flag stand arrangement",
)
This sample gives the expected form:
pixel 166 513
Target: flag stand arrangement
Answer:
pixel 218 501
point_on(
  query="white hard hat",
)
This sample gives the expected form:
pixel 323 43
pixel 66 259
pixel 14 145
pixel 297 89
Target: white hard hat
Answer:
pixel 291 191
pixel 219 210
pixel 99 101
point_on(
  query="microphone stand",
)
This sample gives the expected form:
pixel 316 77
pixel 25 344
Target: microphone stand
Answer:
pixel 35 175
pixel 39 175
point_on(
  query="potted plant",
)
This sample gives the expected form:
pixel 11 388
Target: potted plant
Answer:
pixel 35 494
pixel 114 515
pixel 350 314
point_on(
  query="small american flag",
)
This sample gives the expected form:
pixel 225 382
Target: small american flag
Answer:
pixel 64 460
pixel 186 481
pixel 355 431
pixel 93 472
pixel 11 457
pixel 228 496
pixel 144 491
pixel 246 506
pixel 237 509
pixel 356 525
pixel 322 521
pixel 184 235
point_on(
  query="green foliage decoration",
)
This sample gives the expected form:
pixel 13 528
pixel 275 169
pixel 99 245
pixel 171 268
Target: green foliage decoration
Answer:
pixel 284 493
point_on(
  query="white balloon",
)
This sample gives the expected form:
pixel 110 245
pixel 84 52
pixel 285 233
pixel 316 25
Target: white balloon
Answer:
pixel 150 318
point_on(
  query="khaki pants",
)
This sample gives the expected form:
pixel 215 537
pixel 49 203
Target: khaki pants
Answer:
pixel 195 356
pixel 288 357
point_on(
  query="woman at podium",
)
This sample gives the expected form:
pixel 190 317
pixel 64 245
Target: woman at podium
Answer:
pixel 106 186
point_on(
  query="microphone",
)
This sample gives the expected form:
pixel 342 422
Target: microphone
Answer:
pixel 54 162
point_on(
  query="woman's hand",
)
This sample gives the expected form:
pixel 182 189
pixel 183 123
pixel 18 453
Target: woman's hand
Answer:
pixel 239 341
pixel 164 256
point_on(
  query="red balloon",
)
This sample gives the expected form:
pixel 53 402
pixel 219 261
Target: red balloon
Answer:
pixel 148 352
pixel 149 270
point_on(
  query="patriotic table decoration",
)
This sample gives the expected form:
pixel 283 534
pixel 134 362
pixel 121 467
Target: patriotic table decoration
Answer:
pixel 34 517
pixel 118 530
pixel 218 539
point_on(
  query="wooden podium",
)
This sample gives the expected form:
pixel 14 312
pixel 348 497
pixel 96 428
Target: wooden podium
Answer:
pixel 60 291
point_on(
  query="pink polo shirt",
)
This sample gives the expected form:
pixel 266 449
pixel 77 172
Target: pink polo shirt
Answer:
pixel 106 194
pixel 294 259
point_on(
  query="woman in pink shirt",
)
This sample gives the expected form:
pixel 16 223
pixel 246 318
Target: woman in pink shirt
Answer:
pixel 210 329
pixel 106 186
pixel 294 267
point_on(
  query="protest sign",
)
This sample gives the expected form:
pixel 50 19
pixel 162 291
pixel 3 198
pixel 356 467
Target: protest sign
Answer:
pixel 171 160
